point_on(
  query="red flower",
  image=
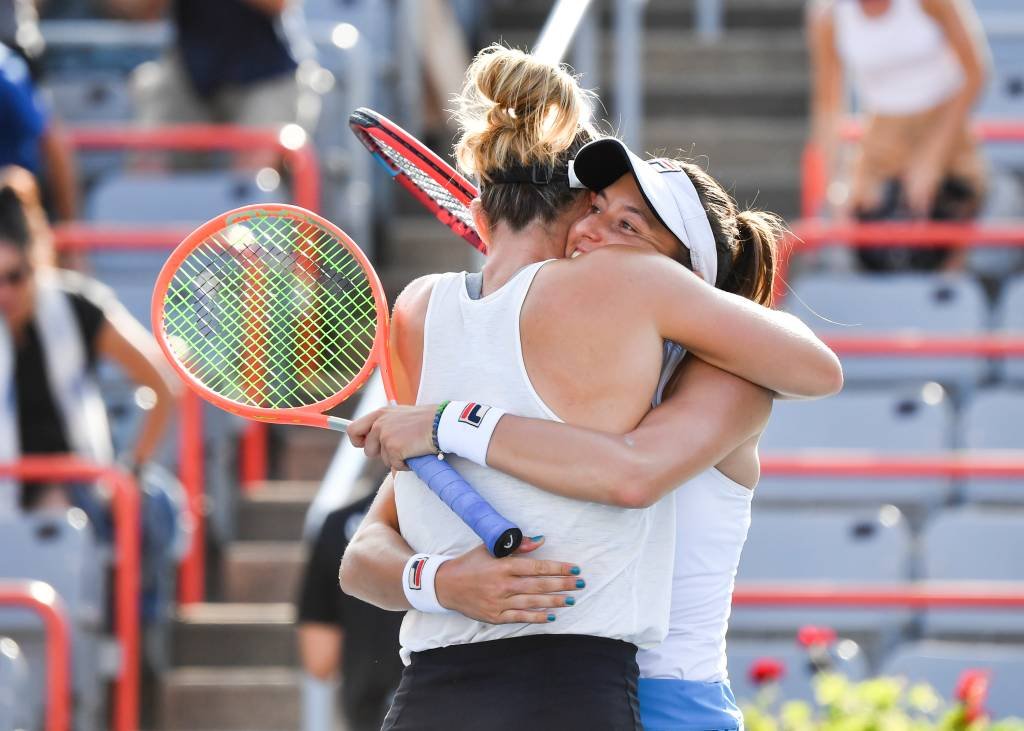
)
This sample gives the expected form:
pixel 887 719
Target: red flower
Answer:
pixel 766 670
pixel 810 635
pixel 972 691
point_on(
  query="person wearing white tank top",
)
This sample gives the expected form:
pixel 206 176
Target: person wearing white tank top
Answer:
pixel 537 323
pixel 917 67
pixel 684 682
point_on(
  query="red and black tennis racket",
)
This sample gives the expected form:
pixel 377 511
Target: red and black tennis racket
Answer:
pixel 434 183
pixel 273 313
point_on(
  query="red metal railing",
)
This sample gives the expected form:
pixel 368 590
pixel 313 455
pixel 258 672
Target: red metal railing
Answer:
pixel 301 162
pixel 43 600
pixel 918 595
pixel 125 507
pixel 850 463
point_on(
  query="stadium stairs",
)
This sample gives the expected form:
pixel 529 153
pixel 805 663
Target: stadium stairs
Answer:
pixel 235 664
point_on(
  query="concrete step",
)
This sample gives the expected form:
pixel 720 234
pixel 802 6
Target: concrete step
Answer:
pixel 231 699
pixel 237 635
pixel 727 142
pixel 275 511
pixel 306 453
pixel 421 241
pixel 766 95
pixel 263 571
pixel 667 52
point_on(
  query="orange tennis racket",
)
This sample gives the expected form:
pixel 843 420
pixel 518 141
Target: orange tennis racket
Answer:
pixel 273 313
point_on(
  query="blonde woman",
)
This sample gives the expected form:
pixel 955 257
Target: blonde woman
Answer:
pixel 577 340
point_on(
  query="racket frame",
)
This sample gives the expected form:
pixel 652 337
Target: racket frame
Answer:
pixel 373 128
pixel 310 414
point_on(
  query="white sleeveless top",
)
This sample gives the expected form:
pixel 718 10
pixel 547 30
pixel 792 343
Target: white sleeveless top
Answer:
pixel 471 351
pixel 901 62
pixel 712 519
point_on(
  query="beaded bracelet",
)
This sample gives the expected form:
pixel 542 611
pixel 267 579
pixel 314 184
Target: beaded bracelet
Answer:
pixel 437 423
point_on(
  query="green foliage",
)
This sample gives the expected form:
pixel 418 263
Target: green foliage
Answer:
pixel 878 704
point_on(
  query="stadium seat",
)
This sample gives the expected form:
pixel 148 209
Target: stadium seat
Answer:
pixel 894 419
pixel 13 686
pixel 796 680
pixel 90 98
pixel 991 420
pixel 1010 319
pixel 853 545
pixel 974 543
pixel 854 305
pixel 60 550
pixel 1004 96
pixel 941 664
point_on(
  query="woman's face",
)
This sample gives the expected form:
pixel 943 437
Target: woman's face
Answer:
pixel 15 292
pixel 619 215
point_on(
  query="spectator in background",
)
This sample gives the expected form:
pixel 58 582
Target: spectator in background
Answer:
pixel 58 326
pixel 338 633
pixel 917 68
pixel 30 139
pixel 233 61
pixel 19 30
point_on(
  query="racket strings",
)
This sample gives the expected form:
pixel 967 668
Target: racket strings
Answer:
pixel 272 313
pixel 437 192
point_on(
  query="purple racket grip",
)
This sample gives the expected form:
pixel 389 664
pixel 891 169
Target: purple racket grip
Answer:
pixel 499 535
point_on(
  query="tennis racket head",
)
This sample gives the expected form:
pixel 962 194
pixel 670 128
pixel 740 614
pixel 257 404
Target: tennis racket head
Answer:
pixel 273 313
pixel 435 183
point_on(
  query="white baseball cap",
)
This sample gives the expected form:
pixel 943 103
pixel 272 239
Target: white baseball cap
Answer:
pixel 666 188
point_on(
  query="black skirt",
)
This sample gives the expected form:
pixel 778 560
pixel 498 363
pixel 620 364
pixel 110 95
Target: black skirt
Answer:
pixel 563 682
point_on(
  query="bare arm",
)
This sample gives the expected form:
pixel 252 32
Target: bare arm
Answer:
pixel 126 342
pixel 827 100
pixel 498 591
pixel 963 31
pixel 61 171
pixel 268 7
pixel 138 9
pixel 709 414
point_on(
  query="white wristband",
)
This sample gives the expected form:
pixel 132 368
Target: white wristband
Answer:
pixel 466 428
pixel 418 582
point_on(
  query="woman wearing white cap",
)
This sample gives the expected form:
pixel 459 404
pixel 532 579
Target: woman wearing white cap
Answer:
pixel 703 439
pixel 575 340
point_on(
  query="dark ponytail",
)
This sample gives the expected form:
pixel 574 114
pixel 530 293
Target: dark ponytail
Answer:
pixel 23 221
pixel 14 226
pixel 747 241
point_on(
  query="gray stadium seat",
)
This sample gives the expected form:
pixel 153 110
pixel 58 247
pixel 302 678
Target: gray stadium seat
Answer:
pixel 795 683
pixel 90 98
pixel 941 664
pixel 60 550
pixel 895 419
pixel 992 420
pixel 853 305
pixel 13 686
pixel 1010 319
pixel 853 545
pixel 1004 96
pixel 974 543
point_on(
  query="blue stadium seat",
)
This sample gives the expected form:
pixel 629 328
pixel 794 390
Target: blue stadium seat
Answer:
pixel 1004 96
pixel 941 664
pixel 897 419
pixel 852 305
pixel 14 686
pixel 1010 319
pixel 991 420
pixel 795 683
pixel 978 544
pixel 90 98
pixel 60 550
pixel 837 546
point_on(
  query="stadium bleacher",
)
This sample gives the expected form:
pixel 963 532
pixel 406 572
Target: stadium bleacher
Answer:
pixel 60 550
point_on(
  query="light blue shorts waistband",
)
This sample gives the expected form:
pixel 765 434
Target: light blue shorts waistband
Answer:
pixel 687 705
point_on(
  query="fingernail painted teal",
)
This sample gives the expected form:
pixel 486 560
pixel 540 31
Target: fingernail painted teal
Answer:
pixel 535 538
pixel 575 571
pixel 580 583
pixel 569 601
pixel 551 618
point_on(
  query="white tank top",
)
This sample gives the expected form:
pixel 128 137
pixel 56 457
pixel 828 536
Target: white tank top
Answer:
pixel 712 519
pixel 471 351
pixel 900 62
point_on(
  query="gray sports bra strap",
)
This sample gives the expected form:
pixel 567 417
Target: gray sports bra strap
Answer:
pixel 474 285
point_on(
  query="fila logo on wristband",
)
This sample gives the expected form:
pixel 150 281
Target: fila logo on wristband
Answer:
pixel 473 414
pixel 416 573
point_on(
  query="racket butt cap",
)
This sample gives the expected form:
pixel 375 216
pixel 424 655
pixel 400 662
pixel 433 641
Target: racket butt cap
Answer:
pixel 507 543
